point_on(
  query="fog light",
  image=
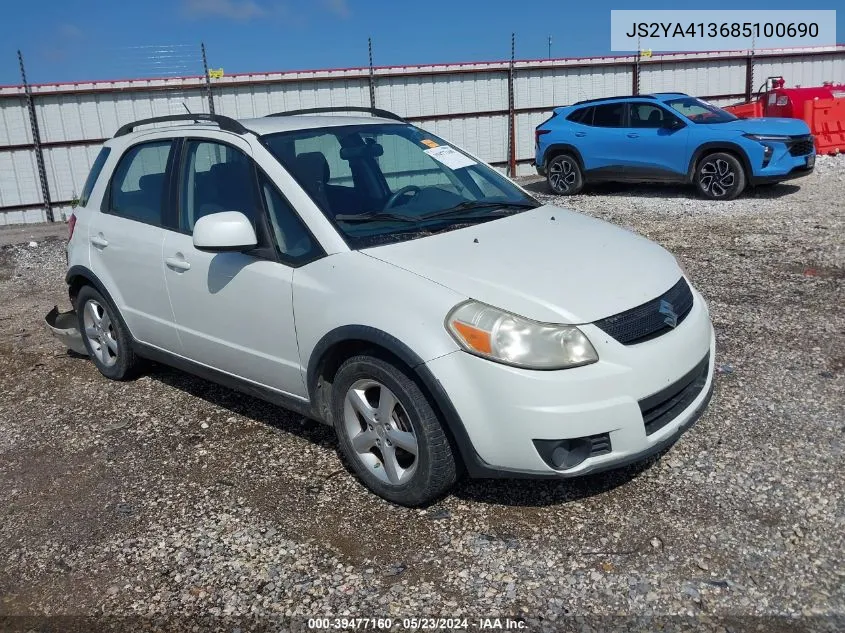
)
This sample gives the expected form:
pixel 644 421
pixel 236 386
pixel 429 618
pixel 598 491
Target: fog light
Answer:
pixel 767 154
pixel 568 453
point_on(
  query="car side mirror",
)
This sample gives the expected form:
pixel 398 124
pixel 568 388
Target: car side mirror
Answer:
pixel 224 231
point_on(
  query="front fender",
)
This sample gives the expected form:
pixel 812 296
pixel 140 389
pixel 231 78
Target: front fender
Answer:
pixel 351 292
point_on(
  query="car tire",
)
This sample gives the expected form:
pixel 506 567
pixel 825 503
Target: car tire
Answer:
pixel 720 176
pixel 564 175
pixel 382 418
pixel 105 335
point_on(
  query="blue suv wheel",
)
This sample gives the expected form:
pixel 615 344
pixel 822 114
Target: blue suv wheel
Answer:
pixel 564 175
pixel 719 176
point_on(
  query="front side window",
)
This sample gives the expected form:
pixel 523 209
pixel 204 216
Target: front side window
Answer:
pixel 386 182
pixel 647 115
pixel 217 178
pixel 96 168
pixel 699 111
pixel 292 238
pixel 139 183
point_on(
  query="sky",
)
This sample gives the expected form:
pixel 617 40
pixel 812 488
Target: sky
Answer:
pixel 67 40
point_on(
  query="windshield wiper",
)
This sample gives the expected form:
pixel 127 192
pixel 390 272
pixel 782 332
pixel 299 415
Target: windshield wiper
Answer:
pixel 459 210
pixel 377 216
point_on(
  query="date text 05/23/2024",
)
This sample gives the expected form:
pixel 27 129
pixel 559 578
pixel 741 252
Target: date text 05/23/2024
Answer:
pixel 418 624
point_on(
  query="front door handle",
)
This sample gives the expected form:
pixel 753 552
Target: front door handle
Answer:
pixel 632 135
pixel 580 134
pixel 99 241
pixel 177 263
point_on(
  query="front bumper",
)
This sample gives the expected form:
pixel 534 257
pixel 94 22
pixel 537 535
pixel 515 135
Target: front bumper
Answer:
pixel 782 165
pixel 796 172
pixel 504 409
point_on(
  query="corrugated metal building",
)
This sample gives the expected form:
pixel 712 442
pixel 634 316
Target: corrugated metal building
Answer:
pixel 475 105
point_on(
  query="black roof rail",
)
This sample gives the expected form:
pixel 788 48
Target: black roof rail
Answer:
pixel 671 92
pixel 616 97
pixel 384 114
pixel 226 123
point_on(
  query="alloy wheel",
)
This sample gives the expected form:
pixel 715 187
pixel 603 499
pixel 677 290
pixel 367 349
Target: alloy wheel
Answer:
pixel 100 332
pixel 380 431
pixel 717 177
pixel 562 175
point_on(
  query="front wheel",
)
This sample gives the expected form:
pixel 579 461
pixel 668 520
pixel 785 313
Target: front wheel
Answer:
pixel 720 176
pixel 564 175
pixel 389 433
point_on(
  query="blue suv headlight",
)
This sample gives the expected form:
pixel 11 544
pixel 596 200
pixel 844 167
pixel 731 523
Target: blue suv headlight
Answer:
pixel 769 138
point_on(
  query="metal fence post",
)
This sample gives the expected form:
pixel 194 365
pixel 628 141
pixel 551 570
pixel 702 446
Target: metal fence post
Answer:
pixel 36 141
pixel 372 74
pixel 511 114
pixel 207 80
pixel 749 72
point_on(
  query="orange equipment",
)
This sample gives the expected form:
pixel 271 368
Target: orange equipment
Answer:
pixel 822 107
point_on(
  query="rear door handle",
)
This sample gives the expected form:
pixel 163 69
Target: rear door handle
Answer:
pixel 580 134
pixel 177 263
pixel 99 241
pixel 632 135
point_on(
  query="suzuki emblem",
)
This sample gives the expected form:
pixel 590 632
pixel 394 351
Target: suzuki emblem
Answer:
pixel 667 309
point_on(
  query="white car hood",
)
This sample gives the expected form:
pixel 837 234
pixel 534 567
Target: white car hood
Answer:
pixel 547 264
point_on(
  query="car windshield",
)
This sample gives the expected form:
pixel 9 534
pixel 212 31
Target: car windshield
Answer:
pixel 699 111
pixel 380 183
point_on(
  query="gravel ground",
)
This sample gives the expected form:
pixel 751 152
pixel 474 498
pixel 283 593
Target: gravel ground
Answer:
pixel 170 502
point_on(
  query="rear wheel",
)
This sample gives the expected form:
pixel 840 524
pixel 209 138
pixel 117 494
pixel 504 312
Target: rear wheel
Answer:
pixel 720 176
pixel 389 433
pixel 105 335
pixel 564 175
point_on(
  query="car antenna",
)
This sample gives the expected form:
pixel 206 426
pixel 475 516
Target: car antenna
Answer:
pixel 186 108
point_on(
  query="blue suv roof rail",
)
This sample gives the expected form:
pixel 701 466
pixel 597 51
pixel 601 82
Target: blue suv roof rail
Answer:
pixel 616 97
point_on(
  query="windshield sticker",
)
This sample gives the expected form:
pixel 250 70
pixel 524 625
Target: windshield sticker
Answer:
pixel 449 157
pixel 428 143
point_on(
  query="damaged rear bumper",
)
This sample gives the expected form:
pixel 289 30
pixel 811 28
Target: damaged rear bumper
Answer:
pixel 65 327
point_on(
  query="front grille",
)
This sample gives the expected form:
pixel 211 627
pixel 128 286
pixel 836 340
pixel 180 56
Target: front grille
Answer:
pixel 664 406
pixel 647 321
pixel 801 145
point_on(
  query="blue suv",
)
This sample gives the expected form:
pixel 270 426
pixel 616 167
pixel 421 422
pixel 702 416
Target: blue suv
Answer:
pixel 669 137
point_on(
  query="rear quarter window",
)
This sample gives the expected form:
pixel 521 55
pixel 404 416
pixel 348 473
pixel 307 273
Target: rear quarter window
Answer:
pixel 96 168
pixel 582 115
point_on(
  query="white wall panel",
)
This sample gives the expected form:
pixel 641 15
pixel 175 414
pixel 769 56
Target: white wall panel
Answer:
pixel 443 94
pixel 801 70
pixel 18 178
pixel 563 86
pixel 67 168
pixel 700 78
pixel 14 122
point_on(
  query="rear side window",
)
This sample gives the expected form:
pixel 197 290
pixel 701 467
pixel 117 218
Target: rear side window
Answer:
pixel 139 182
pixel 609 115
pixel 96 168
pixel 583 115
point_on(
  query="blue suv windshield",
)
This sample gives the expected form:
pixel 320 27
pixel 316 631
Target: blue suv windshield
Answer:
pixel 699 111
pixel 385 182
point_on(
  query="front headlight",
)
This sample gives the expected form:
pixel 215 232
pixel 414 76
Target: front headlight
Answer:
pixel 769 138
pixel 501 336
